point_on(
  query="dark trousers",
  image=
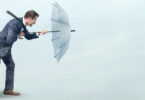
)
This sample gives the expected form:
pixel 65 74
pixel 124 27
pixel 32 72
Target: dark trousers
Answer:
pixel 10 66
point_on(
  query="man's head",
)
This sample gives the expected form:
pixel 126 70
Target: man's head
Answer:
pixel 30 17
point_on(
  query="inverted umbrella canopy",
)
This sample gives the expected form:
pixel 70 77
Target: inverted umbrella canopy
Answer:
pixel 61 38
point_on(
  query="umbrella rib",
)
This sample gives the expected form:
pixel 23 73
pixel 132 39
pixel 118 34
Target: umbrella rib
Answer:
pixel 55 38
pixel 56 55
pixel 63 45
pixel 55 20
pixel 60 22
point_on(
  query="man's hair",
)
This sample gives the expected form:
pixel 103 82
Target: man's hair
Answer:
pixel 31 13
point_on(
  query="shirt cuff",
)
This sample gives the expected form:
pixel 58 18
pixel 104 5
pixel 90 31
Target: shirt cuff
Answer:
pixel 37 34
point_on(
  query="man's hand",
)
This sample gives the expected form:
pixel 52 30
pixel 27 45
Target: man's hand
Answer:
pixel 21 34
pixel 42 32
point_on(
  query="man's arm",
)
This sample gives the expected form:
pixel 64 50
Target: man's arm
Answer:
pixel 29 35
pixel 32 35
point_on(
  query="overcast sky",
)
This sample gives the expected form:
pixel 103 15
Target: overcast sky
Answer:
pixel 105 60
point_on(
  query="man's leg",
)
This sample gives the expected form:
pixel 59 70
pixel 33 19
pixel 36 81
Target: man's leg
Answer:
pixel 10 66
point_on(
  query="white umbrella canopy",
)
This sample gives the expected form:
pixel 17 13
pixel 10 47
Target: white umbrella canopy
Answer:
pixel 62 36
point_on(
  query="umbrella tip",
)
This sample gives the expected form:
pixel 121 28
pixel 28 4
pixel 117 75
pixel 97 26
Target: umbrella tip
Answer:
pixel 72 30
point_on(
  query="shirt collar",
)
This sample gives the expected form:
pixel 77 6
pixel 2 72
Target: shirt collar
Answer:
pixel 24 21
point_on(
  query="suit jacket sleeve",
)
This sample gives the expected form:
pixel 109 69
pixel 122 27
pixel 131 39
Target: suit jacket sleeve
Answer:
pixel 30 35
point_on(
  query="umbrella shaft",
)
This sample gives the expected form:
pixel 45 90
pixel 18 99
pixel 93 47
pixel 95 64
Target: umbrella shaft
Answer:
pixel 54 31
pixel 58 31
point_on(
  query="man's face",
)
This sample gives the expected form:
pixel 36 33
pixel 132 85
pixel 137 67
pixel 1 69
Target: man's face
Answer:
pixel 31 21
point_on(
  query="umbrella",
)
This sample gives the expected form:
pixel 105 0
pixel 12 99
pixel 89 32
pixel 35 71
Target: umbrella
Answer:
pixel 61 38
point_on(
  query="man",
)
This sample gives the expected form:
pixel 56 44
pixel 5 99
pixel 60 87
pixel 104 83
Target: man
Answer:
pixel 8 36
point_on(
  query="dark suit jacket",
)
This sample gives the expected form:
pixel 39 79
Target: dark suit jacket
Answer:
pixel 10 33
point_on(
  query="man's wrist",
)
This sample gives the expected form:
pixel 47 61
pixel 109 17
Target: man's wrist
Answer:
pixel 37 34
